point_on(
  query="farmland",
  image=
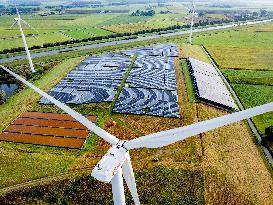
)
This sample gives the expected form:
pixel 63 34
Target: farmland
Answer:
pixel 203 164
pixel 223 166
pixel 60 28
pixel 246 63
pixel 63 27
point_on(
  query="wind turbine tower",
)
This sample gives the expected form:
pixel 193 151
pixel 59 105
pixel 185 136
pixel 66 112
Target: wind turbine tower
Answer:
pixel 18 21
pixel 193 13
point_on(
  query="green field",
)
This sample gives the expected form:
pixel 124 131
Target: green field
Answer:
pixel 254 95
pixel 60 28
pixel 32 41
pixel 252 77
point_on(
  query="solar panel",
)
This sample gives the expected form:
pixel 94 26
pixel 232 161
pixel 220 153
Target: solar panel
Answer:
pixel 209 85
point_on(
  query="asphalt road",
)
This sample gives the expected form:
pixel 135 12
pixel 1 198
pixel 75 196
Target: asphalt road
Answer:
pixel 141 38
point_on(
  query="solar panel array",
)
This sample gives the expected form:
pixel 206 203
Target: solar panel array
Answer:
pixel 96 79
pixel 209 85
pixel 151 86
pixel 49 129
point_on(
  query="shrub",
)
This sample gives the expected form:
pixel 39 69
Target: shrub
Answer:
pixel 2 96
pixel 269 133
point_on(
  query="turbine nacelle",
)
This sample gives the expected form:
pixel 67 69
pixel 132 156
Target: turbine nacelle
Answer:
pixel 111 163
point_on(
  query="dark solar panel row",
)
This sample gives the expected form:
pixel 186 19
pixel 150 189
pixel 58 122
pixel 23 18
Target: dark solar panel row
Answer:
pixel 169 50
pixel 148 101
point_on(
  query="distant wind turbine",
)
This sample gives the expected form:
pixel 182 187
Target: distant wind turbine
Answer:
pixel 192 18
pixel 18 21
pixel 116 162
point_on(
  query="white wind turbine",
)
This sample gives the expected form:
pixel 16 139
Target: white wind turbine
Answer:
pixel 18 21
pixel 192 21
pixel 116 163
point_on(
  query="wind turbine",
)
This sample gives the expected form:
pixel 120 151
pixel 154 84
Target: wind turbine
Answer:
pixel 192 18
pixel 18 21
pixel 116 163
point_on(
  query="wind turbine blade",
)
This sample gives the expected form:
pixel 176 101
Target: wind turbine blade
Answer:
pixel 118 189
pixel 26 23
pixel 14 23
pixel 165 138
pixel 129 177
pixel 91 126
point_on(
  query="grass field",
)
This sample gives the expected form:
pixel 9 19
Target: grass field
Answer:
pixel 254 95
pixel 252 77
pixel 242 58
pixel 141 26
pixel 86 33
pixel 32 41
pixel 237 37
pixel 81 26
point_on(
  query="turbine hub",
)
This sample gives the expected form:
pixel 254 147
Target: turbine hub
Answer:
pixel 111 163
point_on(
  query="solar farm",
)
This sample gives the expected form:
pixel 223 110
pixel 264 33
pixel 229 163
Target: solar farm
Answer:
pixel 209 85
pixel 150 88
pixel 49 129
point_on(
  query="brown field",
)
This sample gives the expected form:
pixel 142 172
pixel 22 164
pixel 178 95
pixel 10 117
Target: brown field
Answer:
pixel 235 171
pixel 194 51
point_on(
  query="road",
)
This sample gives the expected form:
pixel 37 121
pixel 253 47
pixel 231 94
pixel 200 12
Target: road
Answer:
pixel 141 38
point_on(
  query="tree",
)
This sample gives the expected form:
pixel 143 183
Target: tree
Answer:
pixel 255 14
pixel 263 12
pixel 2 96
pixel 202 13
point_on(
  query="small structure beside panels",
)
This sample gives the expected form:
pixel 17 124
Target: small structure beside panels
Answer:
pixel 209 86
pixel 49 129
pixel 96 79
pixel 151 86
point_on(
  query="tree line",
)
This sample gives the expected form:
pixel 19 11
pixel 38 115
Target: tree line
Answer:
pixel 126 35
